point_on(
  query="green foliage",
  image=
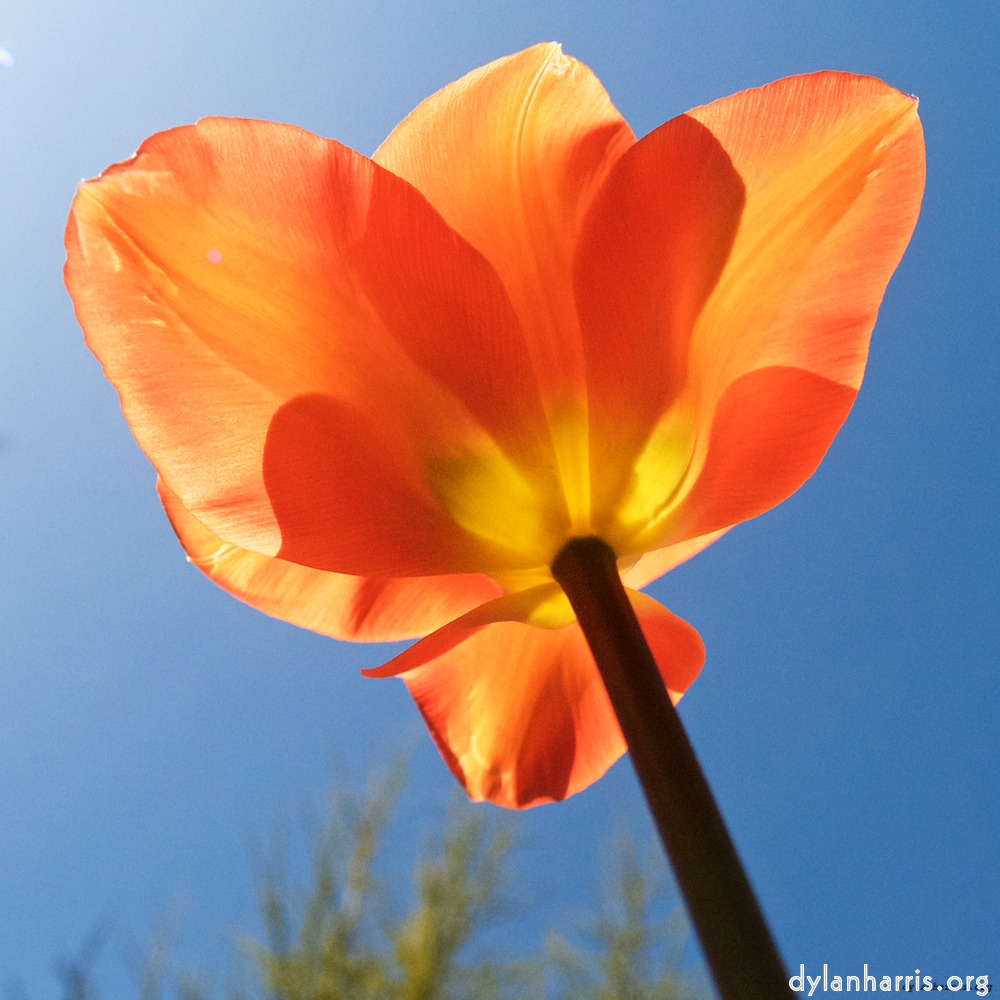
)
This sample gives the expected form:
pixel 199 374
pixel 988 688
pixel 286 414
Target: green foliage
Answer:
pixel 628 942
pixel 346 937
pixel 349 947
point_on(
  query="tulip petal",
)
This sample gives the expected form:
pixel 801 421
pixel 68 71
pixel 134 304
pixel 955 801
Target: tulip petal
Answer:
pixel 834 169
pixel 653 244
pixel 363 609
pixel 519 713
pixel 511 155
pixel 233 266
pixel 772 427
pixel 652 565
pixel 344 506
pixel 833 166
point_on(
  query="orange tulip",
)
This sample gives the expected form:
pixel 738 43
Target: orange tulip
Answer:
pixel 381 394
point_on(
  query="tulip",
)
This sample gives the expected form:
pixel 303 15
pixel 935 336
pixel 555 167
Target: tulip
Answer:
pixel 388 398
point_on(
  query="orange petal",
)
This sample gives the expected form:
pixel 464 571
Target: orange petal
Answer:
pixel 432 289
pixel 511 155
pixel 343 505
pixel 519 713
pixel 772 427
pixel 833 167
pixel 653 244
pixel 233 265
pixel 654 564
pixel 365 609
pixel 834 170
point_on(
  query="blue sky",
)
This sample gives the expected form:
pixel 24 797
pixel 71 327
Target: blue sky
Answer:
pixel 152 729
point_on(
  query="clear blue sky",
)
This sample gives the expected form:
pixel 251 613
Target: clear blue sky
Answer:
pixel 151 728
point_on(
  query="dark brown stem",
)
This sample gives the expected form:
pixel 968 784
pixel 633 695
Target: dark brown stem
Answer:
pixel 733 934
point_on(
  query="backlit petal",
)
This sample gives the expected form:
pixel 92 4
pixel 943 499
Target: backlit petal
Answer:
pixel 365 609
pixel 519 712
pixel 772 427
pixel 344 505
pixel 833 167
pixel 511 155
pixel 653 244
pixel 232 267
pixel 834 170
pixel 654 564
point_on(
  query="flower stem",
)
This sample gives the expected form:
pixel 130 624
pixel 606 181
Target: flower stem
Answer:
pixel 733 934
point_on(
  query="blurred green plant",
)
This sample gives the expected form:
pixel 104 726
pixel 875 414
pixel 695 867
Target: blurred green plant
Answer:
pixel 348 946
pixel 628 944
pixel 343 938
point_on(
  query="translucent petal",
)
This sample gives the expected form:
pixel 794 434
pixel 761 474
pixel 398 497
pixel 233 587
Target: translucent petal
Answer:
pixel 365 609
pixel 653 244
pixel 518 712
pixel 233 267
pixel 834 169
pixel 511 155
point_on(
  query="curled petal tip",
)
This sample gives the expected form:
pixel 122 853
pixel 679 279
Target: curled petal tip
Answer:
pixel 519 712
